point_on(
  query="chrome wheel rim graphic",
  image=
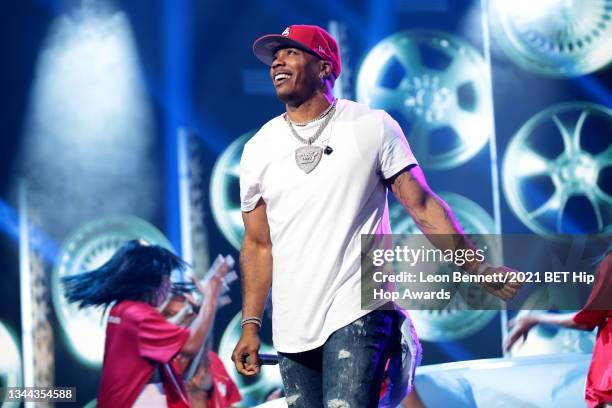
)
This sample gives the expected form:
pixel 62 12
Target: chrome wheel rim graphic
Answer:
pixel 573 173
pixel 10 363
pixel 452 97
pixel 555 37
pixel 224 192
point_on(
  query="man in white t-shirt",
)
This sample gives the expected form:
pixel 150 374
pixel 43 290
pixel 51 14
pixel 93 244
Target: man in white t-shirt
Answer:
pixel 311 182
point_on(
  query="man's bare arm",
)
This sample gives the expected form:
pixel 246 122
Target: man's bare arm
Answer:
pixel 437 221
pixel 430 213
pixel 255 261
pixel 256 277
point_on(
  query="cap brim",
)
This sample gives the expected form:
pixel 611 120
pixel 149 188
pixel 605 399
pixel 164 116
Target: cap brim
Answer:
pixel 265 47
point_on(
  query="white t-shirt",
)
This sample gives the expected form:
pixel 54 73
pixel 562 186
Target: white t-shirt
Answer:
pixel 316 219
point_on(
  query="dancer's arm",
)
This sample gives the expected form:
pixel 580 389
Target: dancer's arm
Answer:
pixel 199 327
pixel 522 325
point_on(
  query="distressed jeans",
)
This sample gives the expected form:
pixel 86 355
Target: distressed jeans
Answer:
pixel 347 371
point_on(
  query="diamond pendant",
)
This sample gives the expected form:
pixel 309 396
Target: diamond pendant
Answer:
pixel 307 157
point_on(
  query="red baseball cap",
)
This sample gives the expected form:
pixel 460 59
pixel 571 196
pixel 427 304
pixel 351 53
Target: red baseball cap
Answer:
pixel 309 38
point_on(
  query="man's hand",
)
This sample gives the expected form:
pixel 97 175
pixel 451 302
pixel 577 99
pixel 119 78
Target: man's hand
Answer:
pixel 248 346
pixel 504 291
pixel 520 325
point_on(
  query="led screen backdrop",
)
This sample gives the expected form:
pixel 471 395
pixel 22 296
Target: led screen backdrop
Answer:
pixel 124 119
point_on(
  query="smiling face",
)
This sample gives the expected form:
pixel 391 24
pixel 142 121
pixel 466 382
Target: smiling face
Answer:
pixel 295 75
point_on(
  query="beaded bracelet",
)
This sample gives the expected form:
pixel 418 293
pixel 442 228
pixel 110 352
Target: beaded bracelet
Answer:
pixel 251 319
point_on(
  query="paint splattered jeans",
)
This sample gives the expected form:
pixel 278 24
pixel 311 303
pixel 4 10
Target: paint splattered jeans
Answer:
pixel 347 371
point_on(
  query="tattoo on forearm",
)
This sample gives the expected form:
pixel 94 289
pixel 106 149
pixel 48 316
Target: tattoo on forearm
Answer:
pixel 400 188
pixel 427 210
pixel 396 187
pixel 423 223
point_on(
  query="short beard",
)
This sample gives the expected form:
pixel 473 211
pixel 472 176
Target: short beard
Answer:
pixel 288 99
pixel 297 98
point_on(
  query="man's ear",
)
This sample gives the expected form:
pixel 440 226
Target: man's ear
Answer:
pixel 325 69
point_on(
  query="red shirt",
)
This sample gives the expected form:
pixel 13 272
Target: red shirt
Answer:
pixel 137 338
pixel 225 391
pixel 598 313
